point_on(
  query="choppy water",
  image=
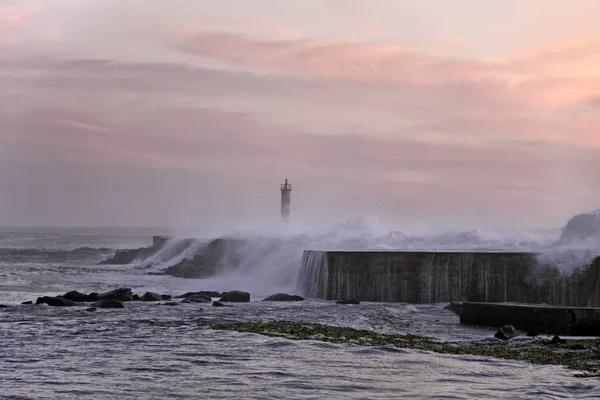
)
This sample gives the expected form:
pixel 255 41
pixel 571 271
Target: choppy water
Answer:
pixel 150 351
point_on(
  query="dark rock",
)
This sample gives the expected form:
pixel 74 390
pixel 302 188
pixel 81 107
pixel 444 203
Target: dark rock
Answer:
pixel 347 301
pixel 235 296
pixel 109 303
pixel 557 340
pixel 91 309
pixel 455 307
pixel 128 256
pixel 3 306
pixel 506 332
pixel 197 299
pixel 283 297
pixel 78 297
pixel 208 293
pixel 93 296
pixel 209 260
pixel 27 302
pixel 578 347
pixel 149 296
pixel 136 297
pixel 170 303
pixel 532 334
pixel 55 301
pixel 218 304
pixel 120 294
pixel 165 296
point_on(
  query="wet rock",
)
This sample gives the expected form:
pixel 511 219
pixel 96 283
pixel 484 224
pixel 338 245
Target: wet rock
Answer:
pixel 209 260
pixel 165 296
pixel 208 293
pixel 120 294
pixel 347 301
pixel 197 299
pixel 3 306
pixel 91 309
pixel 109 303
pixel 455 307
pixel 123 257
pixel 506 332
pixel 283 297
pixel 136 297
pixel 27 302
pixel 79 297
pixel 235 296
pixel 55 301
pixel 557 340
pixel 218 304
pixel 149 296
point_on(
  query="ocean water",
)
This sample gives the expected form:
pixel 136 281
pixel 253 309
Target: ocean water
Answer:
pixel 153 351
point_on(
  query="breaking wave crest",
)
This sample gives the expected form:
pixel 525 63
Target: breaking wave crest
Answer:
pixel 262 261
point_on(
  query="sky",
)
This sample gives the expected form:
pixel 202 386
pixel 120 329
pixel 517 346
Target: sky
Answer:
pixel 190 113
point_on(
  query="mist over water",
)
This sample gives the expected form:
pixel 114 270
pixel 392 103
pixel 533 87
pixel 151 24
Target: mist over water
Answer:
pixel 270 259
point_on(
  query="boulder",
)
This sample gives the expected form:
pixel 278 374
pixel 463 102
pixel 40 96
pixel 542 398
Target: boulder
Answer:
pixel 557 340
pixel 120 294
pixel 3 306
pixel 79 297
pixel 136 297
pixel 218 304
pixel 506 332
pixel 27 302
pixel 91 309
pixel 55 301
pixel 283 297
pixel 109 303
pixel 197 299
pixel 165 296
pixel 235 296
pixel 149 296
pixel 347 301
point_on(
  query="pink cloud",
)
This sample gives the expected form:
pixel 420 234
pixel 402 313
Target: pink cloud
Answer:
pixel 12 16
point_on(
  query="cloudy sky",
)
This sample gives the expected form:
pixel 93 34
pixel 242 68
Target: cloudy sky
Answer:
pixel 469 113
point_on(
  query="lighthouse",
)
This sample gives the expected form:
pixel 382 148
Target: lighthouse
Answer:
pixel 286 198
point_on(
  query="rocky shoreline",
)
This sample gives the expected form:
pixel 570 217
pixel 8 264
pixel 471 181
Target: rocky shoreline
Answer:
pixel 581 355
pixel 117 297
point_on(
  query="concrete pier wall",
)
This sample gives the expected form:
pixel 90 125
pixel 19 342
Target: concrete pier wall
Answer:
pixel 554 320
pixel 444 276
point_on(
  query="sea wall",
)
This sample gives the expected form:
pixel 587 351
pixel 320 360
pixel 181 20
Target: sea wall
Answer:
pixel 444 276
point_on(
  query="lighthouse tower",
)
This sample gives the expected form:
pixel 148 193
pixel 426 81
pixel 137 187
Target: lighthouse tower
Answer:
pixel 286 198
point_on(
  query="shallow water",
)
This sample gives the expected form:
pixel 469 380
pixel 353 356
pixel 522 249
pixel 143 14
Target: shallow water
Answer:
pixel 149 351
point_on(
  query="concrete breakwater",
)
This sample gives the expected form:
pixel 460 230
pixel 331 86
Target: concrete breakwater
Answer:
pixel 445 276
